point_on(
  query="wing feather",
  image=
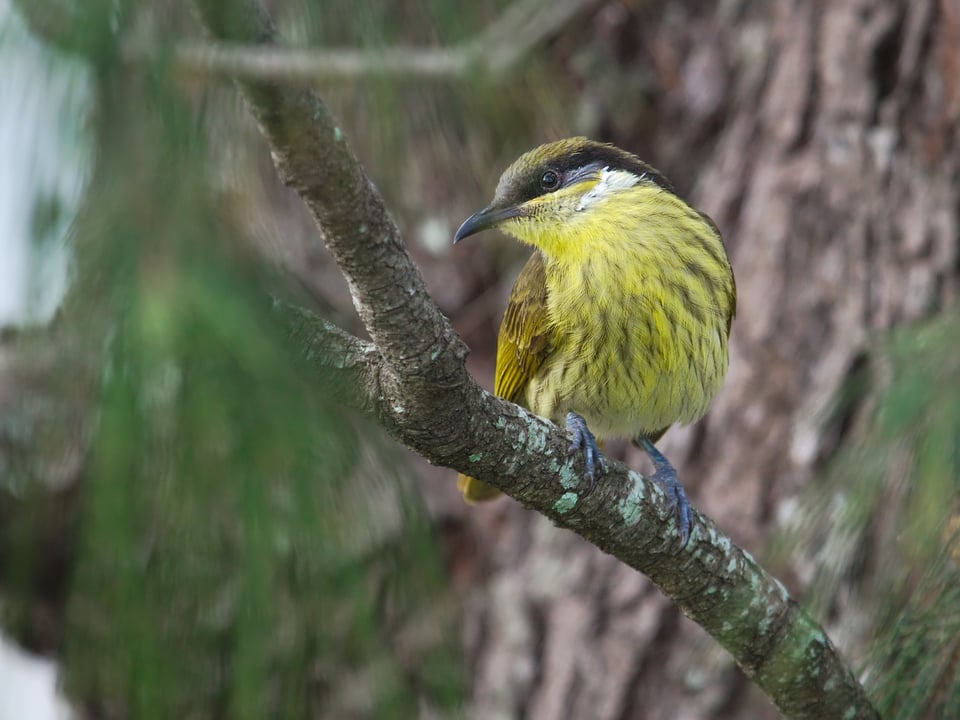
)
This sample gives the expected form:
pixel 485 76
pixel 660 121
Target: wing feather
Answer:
pixel 524 343
pixel 526 339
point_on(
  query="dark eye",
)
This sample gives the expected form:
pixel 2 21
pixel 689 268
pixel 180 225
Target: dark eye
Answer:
pixel 550 180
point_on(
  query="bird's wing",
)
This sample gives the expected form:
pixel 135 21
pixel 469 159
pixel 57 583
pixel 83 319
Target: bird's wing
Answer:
pixel 526 338
pixel 525 341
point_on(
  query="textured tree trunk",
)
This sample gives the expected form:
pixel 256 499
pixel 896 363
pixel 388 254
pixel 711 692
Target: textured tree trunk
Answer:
pixel 823 139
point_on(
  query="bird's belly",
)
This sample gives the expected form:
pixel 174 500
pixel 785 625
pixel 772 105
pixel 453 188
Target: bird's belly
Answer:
pixel 632 378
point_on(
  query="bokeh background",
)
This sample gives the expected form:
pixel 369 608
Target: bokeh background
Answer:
pixel 191 526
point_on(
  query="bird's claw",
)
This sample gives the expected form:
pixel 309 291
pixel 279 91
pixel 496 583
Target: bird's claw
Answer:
pixel 665 474
pixel 677 503
pixel 582 439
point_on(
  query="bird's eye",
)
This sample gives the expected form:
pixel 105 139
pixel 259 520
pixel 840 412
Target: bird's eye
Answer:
pixel 550 180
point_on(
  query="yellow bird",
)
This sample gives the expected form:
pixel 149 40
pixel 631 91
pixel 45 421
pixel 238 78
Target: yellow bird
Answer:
pixel 619 321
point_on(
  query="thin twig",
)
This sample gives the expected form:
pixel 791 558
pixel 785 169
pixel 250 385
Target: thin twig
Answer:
pixel 493 51
pixel 295 64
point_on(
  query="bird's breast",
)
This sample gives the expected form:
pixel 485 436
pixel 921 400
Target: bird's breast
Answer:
pixel 638 345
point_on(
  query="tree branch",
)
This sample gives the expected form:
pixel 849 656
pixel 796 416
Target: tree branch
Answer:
pixel 414 379
pixel 312 64
pixel 495 50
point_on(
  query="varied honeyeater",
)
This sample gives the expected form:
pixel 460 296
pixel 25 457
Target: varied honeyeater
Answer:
pixel 618 323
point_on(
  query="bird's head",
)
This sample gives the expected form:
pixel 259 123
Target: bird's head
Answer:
pixel 550 192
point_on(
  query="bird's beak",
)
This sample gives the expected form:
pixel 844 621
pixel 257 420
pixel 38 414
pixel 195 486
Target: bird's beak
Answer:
pixel 486 218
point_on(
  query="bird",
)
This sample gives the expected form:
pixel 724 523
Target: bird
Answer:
pixel 618 324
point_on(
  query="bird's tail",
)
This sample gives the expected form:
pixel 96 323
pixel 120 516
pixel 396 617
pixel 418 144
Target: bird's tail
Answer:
pixel 475 491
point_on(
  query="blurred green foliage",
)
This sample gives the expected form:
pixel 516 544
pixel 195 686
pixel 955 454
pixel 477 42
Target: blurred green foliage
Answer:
pixel 373 23
pixel 880 537
pixel 245 547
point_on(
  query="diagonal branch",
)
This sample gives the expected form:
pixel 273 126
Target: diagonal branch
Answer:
pixel 414 380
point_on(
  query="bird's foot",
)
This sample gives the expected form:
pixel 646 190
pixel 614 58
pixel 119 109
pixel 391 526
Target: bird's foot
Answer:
pixel 582 439
pixel 665 474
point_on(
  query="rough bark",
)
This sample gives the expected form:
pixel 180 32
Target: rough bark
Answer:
pixel 823 139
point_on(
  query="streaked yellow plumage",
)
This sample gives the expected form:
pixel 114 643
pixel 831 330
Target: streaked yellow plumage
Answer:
pixel 623 313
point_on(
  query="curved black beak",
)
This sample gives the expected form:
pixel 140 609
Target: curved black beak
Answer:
pixel 486 218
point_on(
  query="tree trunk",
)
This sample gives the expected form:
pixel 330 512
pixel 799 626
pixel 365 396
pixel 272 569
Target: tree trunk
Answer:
pixel 823 139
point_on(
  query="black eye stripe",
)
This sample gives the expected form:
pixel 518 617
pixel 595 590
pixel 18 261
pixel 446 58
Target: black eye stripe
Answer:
pixel 523 181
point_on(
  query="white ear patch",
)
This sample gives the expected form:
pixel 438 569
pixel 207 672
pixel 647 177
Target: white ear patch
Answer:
pixel 611 181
